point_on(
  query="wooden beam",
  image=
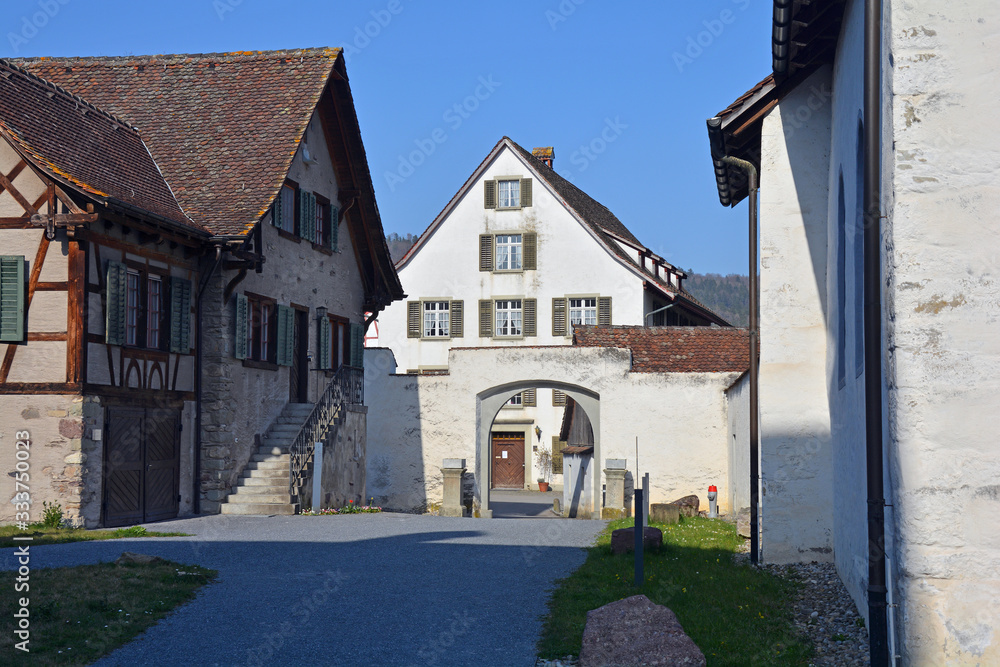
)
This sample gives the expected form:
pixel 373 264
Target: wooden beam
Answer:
pixel 63 219
pixel 51 287
pixel 5 184
pixel 41 388
pixel 47 336
pixel 77 299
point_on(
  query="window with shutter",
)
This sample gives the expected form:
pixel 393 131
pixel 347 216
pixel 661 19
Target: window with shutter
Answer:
pixel 325 332
pixel 558 397
pixel 12 296
pixel 489 194
pixel 285 336
pixel 357 345
pixel 485 252
pixel 604 311
pixel 307 215
pixel 413 319
pixel 528 398
pixel 457 319
pixel 559 316
pixel 485 318
pixel 525 192
pixel 530 317
pixel 117 277
pixel 557 455
pixel 242 332
pixel 530 250
pixel 180 315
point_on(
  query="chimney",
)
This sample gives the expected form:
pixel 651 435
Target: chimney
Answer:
pixel 546 154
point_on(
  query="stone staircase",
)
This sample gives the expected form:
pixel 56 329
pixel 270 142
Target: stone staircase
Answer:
pixel 263 487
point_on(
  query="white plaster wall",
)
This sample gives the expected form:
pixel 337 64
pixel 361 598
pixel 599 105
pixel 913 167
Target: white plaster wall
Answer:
pixel 944 303
pixel 737 493
pixel 797 489
pixel 416 421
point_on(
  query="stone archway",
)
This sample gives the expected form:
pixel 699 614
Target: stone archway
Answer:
pixel 488 404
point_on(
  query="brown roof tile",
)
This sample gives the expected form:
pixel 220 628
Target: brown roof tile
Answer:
pixel 674 349
pixel 223 127
pixel 81 145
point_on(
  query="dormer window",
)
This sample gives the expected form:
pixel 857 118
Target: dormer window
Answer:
pixel 507 192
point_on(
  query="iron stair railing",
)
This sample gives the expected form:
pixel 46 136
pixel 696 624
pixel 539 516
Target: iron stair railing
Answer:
pixel 347 387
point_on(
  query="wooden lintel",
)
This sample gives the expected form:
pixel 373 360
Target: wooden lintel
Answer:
pixel 63 219
pixel 40 388
pixel 47 336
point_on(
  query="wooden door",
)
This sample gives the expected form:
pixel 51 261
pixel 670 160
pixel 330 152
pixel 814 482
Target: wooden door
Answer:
pixel 508 460
pixel 143 466
pixel 298 375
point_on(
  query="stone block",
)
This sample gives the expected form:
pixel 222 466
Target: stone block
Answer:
pixel 688 505
pixel 664 513
pixel 615 464
pixel 76 458
pixel 612 513
pixel 635 631
pixel 30 413
pixel 623 540
pixel 56 413
pixel 216 495
pixel 210 507
pixel 454 463
pixel 743 522
pixel 70 428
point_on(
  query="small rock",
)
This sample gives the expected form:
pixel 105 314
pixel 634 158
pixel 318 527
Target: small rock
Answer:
pixel 635 631
pixel 664 513
pixel 143 559
pixel 688 505
pixel 623 539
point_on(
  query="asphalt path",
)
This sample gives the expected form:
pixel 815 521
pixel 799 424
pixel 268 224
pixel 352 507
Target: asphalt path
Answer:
pixel 366 590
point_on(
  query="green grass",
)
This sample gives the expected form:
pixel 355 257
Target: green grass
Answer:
pixel 41 535
pixel 736 614
pixel 78 614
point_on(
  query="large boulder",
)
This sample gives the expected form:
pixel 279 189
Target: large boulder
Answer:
pixel 633 632
pixel 664 513
pixel 130 558
pixel 623 539
pixel 688 505
pixel 743 522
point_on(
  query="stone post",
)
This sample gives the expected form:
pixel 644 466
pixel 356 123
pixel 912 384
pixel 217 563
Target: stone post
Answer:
pixel 614 494
pixel 452 471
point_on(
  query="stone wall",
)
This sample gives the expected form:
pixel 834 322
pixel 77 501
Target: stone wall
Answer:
pixel 344 463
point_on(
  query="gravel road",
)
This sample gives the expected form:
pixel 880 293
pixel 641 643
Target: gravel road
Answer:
pixel 372 589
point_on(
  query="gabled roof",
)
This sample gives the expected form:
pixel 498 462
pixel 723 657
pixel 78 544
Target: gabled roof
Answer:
pixel 223 127
pixel 674 349
pixel 81 146
pixel 604 225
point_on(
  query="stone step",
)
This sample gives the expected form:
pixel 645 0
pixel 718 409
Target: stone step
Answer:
pixel 267 465
pixel 243 496
pixel 266 473
pixel 271 451
pixel 271 455
pixel 260 508
pixel 271 482
pixel 298 409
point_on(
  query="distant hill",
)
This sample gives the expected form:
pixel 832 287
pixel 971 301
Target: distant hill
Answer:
pixel 398 245
pixel 729 296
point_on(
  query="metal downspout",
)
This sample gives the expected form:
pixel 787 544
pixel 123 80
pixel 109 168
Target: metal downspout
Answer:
pixel 196 482
pixel 877 621
pixel 754 371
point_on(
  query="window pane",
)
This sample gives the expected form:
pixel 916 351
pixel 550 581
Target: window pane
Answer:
pixel 132 309
pixel 509 194
pixel 154 312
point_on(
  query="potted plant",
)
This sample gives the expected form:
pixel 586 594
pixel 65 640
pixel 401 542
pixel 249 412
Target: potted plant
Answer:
pixel 544 468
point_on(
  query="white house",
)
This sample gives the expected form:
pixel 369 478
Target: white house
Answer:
pixel 516 258
pixel 937 366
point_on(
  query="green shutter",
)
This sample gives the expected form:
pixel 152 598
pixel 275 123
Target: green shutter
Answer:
pixel 489 194
pixel 604 311
pixel 414 327
pixel 485 252
pixel 525 192
pixel 557 456
pixel 357 345
pixel 530 317
pixel 456 321
pixel 12 298
pixel 559 316
pixel 285 338
pixel 529 242
pixel 311 228
pixel 334 227
pixel 485 318
pixel 242 328
pixel 307 215
pixel 180 315
pixel 116 302
pixel 276 209
pixel 324 343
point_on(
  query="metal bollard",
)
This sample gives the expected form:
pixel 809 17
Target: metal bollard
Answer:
pixel 713 504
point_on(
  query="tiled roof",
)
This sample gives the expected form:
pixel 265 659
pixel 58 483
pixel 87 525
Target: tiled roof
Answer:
pixel 223 127
pixel 80 145
pixel 674 349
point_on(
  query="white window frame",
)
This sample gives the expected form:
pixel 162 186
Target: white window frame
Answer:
pixel 512 246
pixel 516 401
pixel 583 309
pixel 513 309
pixel 512 194
pixel 440 307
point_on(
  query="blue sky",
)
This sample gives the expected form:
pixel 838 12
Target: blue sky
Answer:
pixel 621 90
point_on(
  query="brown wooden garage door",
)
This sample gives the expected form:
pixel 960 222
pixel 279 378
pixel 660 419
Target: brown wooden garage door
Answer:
pixel 508 460
pixel 142 465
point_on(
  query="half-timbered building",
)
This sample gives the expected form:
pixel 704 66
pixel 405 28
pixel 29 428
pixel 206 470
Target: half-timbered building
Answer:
pixel 224 268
